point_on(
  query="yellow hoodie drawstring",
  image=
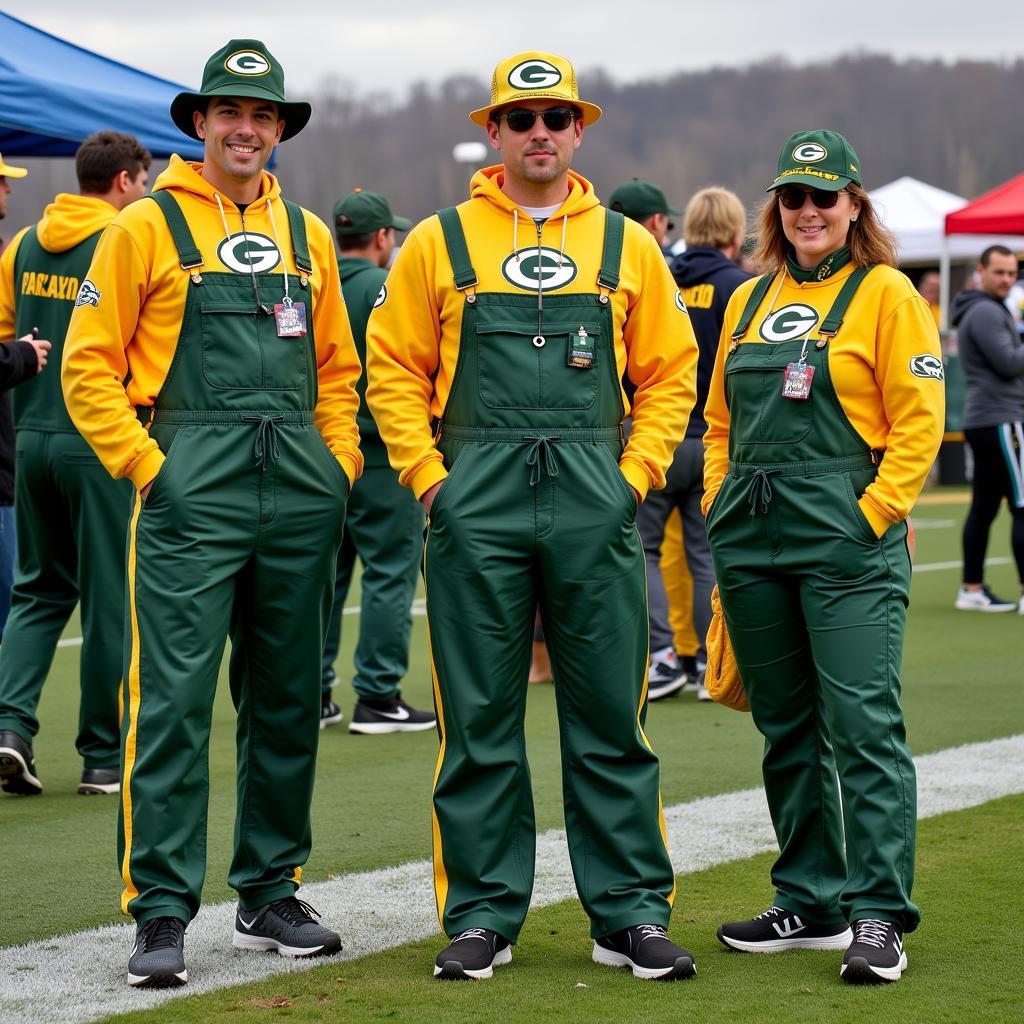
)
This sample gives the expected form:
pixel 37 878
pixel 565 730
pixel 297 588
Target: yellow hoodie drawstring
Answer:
pixel 515 234
pixel 561 249
pixel 284 262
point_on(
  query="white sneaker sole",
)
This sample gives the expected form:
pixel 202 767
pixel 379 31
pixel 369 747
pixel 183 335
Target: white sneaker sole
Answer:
pixel 265 944
pixel 666 689
pixel 610 958
pixel 12 765
pixel 966 607
pixel 859 971
pixel 333 720
pixel 379 728
pixel 157 980
pixel 840 941
pixel 92 789
pixel 449 971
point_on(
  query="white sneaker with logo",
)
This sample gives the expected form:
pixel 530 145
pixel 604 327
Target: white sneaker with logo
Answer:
pixel 982 601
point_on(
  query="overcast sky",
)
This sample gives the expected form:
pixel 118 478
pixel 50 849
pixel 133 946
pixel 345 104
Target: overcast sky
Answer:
pixel 391 43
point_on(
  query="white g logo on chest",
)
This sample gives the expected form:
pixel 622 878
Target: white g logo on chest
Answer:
pixel 789 323
pixel 248 252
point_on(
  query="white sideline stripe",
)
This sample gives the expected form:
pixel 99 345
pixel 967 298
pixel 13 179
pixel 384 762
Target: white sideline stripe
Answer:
pixel 419 608
pixel 936 566
pixel 78 978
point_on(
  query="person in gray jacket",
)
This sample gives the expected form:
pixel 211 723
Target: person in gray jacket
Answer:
pixel 992 356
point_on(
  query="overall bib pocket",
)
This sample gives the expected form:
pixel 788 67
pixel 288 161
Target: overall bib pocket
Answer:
pixel 758 412
pixel 242 352
pixel 517 372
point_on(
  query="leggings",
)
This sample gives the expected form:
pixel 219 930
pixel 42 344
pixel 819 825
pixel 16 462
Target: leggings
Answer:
pixel 998 473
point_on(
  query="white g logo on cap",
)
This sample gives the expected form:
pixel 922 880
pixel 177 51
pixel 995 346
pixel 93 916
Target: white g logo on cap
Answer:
pixel 247 62
pixel 534 74
pixel 809 153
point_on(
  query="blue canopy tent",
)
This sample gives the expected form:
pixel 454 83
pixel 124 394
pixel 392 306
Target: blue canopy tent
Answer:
pixel 53 94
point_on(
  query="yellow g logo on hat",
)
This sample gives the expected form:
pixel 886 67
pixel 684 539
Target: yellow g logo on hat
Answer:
pixel 534 74
pixel 809 153
pixel 248 63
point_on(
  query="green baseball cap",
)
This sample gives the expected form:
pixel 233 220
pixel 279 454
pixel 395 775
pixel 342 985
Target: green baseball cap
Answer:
pixel 246 68
pixel 639 199
pixel 361 212
pixel 819 158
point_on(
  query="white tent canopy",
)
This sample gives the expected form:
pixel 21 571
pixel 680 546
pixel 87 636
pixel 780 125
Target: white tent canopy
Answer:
pixel 916 214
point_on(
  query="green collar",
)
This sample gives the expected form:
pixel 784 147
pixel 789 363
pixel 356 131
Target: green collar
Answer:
pixel 826 268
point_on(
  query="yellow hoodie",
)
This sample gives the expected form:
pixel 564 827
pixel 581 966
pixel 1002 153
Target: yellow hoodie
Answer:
pixel 133 329
pixel 412 338
pixel 67 222
pixel 892 398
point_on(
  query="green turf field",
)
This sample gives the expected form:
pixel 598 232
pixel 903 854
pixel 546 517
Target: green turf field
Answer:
pixel 962 684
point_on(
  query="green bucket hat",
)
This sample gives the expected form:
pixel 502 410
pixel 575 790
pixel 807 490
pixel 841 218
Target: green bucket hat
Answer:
pixel 362 212
pixel 639 199
pixel 819 158
pixel 244 67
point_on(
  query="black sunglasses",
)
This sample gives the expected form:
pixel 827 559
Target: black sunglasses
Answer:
pixel 792 198
pixel 557 119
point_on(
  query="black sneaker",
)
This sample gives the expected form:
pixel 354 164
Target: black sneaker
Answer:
pixel 330 713
pixel 285 926
pixel 665 675
pixel 379 716
pixel 472 954
pixel 648 950
pixel 875 955
pixel 100 780
pixel 776 930
pixel 17 766
pixel 158 959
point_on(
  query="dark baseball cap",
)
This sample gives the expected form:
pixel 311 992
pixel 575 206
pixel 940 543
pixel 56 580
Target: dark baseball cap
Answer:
pixel 639 199
pixel 819 158
pixel 361 212
pixel 247 69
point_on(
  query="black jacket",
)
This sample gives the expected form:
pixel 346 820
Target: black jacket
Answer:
pixel 17 363
pixel 707 278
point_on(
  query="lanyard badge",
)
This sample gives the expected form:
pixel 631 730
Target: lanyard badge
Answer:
pixel 581 350
pixel 796 383
pixel 290 318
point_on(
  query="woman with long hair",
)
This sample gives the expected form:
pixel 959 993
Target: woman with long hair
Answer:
pixel 824 417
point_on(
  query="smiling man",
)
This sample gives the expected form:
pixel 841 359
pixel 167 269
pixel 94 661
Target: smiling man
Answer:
pixel 499 363
pixel 218 302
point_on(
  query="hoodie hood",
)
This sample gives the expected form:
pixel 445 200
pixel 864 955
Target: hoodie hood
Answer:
pixel 70 220
pixel 696 265
pixel 186 175
pixel 966 300
pixel 350 266
pixel 487 184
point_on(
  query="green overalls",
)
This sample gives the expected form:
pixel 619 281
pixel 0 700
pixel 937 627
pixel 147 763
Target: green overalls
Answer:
pixel 536 511
pixel 383 526
pixel 72 519
pixel 816 605
pixel 239 534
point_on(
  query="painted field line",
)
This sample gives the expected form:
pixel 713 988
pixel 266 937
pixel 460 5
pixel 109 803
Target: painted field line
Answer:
pixel 77 978
pixel 936 566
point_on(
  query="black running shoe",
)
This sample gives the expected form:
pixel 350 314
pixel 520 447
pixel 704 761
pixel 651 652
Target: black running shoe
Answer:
pixel 100 780
pixel 330 713
pixel 472 954
pixel 158 959
pixel 17 766
pixel 875 955
pixel 665 675
pixel 380 716
pixel 776 930
pixel 648 950
pixel 286 927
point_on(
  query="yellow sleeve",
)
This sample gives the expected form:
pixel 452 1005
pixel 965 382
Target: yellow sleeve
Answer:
pixel 716 410
pixel 914 405
pixel 337 363
pixel 661 360
pixel 94 366
pixel 8 287
pixel 402 355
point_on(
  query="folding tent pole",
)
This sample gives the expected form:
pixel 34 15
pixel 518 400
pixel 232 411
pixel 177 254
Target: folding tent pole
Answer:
pixel 944 283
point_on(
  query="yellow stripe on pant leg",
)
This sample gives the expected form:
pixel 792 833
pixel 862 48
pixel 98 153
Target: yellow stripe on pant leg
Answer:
pixel 440 875
pixel 132 710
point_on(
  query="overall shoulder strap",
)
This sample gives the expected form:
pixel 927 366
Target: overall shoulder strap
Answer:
pixel 300 246
pixel 458 251
pixel 188 253
pixel 760 290
pixel 831 324
pixel 611 255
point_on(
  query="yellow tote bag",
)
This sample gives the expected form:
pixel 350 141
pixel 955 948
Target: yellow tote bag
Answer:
pixel 722 678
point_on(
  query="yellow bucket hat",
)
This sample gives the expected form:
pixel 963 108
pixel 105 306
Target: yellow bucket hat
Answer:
pixel 534 76
pixel 7 171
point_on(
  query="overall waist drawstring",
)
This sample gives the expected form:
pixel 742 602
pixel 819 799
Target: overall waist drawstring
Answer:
pixel 266 445
pixel 760 493
pixel 541 452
